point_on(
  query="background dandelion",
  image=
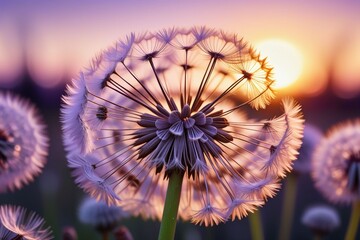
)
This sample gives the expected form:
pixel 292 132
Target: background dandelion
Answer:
pixel 23 142
pixel 99 215
pixel 336 165
pixel 321 220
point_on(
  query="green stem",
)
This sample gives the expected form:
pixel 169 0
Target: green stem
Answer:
pixel 256 226
pixel 288 207
pixel 169 218
pixel 354 221
pixel 50 203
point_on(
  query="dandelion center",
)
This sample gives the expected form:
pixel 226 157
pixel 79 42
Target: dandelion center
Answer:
pixel 6 149
pixel 336 163
pixel 353 173
pixel 181 138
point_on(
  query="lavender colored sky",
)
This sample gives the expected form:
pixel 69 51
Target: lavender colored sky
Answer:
pixel 60 37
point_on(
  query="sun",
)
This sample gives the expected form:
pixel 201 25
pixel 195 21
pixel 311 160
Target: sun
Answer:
pixel 285 58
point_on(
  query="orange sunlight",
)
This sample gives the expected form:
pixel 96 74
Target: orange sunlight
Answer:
pixel 285 58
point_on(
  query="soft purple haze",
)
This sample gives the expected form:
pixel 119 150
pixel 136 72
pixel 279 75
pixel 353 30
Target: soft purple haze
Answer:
pixel 59 37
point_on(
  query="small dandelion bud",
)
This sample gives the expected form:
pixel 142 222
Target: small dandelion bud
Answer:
pixel 17 223
pixel 69 233
pixel 99 215
pixel 122 233
pixel 23 142
pixel 321 220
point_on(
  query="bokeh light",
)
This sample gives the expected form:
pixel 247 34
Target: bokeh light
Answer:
pixel 347 67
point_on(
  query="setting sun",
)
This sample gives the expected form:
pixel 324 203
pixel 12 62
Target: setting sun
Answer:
pixel 285 58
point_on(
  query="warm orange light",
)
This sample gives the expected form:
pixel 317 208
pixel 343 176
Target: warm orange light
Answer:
pixel 346 70
pixel 285 58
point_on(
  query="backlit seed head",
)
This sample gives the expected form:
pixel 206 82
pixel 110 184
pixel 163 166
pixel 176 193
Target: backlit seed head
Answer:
pixel 23 142
pixel 336 163
pixel 175 100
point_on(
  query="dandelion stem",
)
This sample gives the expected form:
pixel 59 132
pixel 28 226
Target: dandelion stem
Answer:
pixel 169 218
pixel 354 221
pixel 288 207
pixel 256 226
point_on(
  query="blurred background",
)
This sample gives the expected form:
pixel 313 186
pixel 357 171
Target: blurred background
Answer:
pixel 314 47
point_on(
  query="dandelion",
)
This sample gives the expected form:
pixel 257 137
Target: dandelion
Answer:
pixel 17 223
pixel 23 143
pixel 321 220
pixel 102 217
pixel 159 120
pixel 336 168
pixel 302 165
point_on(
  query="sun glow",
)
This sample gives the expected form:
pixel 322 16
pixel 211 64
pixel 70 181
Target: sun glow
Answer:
pixel 285 58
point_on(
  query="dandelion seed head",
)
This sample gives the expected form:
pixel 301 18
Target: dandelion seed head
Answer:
pixel 17 221
pixel 176 103
pixel 99 215
pixel 336 163
pixel 23 142
pixel 321 219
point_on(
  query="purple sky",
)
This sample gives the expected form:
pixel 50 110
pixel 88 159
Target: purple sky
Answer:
pixel 65 35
